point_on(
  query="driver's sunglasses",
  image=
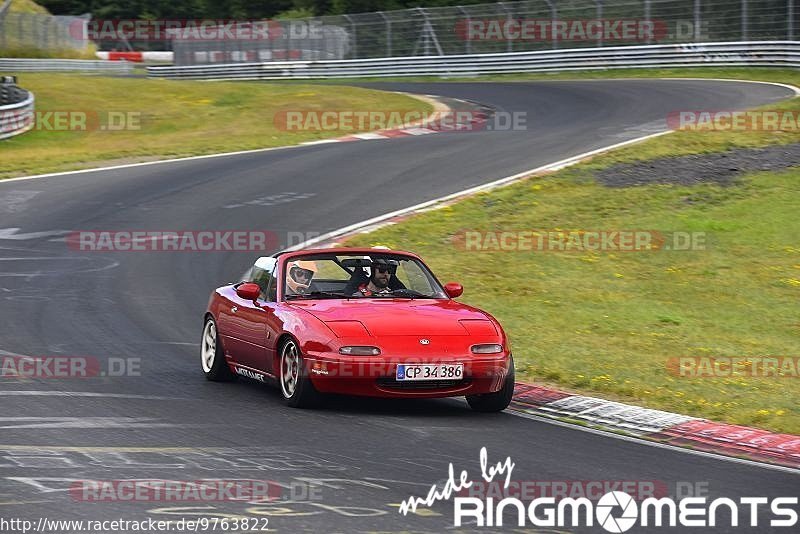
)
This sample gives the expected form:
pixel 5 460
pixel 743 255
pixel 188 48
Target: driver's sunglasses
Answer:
pixel 386 268
pixel 301 273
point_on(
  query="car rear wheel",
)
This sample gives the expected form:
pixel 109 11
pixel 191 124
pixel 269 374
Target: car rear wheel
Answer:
pixel 495 402
pixel 296 386
pixel 212 357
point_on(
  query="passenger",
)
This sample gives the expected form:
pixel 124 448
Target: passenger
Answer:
pixel 298 276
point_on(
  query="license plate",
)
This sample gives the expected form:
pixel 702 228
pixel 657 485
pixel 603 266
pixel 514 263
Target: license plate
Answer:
pixel 446 371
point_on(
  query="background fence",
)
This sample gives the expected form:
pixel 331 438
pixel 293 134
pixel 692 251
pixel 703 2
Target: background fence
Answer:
pixel 439 31
pixel 39 31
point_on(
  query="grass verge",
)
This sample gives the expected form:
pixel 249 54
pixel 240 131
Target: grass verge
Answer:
pixel 608 324
pixel 177 118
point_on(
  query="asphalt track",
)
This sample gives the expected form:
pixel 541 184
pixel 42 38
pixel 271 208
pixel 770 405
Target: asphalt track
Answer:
pixel 362 457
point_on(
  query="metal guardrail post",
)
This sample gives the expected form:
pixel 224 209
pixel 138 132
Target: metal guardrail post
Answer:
pixel 467 22
pixel 427 36
pixel 697 19
pixel 424 35
pixel 790 18
pixel 745 21
pixel 599 4
pixel 388 33
pixel 647 17
pixel 509 42
pixel 349 19
pixel 553 19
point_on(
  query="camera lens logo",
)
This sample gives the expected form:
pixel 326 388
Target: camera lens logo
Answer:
pixel 610 501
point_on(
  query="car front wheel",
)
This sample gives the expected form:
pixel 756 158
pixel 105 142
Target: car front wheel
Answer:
pixel 212 356
pixel 495 402
pixel 296 386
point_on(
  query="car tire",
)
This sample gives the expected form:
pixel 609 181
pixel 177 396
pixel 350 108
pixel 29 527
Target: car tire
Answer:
pixel 293 379
pixel 495 402
pixel 212 355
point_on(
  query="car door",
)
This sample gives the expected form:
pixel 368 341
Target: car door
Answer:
pixel 250 325
pixel 245 323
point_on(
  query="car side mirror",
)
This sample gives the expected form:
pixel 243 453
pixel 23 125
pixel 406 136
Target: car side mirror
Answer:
pixel 453 289
pixel 248 291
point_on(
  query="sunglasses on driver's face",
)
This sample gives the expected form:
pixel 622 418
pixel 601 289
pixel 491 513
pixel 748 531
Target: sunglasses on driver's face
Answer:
pixel 385 268
pixel 301 273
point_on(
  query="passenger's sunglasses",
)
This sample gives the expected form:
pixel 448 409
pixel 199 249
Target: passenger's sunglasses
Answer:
pixel 297 272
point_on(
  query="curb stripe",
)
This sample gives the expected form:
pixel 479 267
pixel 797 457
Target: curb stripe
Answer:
pixel 665 427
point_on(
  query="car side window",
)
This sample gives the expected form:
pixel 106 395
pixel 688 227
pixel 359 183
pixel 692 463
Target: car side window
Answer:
pixel 271 293
pixel 263 274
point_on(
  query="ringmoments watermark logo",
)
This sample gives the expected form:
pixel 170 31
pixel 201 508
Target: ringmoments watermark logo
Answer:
pixel 615 511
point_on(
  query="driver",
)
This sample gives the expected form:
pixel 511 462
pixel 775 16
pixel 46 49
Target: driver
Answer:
pixel 381 272
pixel 298 276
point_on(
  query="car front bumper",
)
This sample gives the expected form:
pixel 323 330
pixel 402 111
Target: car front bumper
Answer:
pixel 376 376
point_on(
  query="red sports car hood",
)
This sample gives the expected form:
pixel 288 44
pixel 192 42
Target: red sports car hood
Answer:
pixel 392 317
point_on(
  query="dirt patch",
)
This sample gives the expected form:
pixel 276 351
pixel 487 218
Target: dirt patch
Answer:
pixel 721 168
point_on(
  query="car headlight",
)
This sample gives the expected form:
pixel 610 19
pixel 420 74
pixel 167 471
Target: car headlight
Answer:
pixel 487 348
pixel 358 350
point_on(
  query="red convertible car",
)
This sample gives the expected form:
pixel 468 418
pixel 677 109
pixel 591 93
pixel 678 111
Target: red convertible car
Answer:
pixel 355 321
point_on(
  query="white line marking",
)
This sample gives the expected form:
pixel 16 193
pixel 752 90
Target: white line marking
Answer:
pixel 320 142
pixel 419 131
pixel 369 136
pixel 786 85
pixel 11 233
pixel 36 258
pixel 80 422
pixel 45 393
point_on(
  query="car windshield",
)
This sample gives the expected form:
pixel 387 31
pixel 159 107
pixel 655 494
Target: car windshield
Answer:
pixel 333 276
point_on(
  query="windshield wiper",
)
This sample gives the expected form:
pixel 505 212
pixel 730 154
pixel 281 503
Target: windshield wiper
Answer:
pixel 409 294
pixel 316 294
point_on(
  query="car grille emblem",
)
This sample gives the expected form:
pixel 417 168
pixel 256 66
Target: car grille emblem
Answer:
pixel 424 341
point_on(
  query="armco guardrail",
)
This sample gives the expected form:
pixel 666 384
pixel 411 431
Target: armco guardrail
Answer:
pixel 16 108
pixel 744 53
pixel 65 65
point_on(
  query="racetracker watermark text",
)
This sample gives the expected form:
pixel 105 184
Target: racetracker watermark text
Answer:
pixel 172 241
pixel 204 490
pixel 125 30
pixel 67 367
pixel 70 120
pixel 742 366
pixel 505 29
pixel 734 121
pixel 371 120
pixel 554 240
